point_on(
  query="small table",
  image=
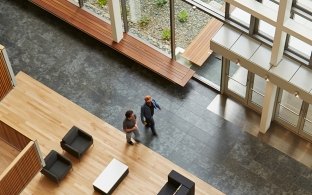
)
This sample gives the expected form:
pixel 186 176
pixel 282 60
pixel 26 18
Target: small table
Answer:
pixel 110 177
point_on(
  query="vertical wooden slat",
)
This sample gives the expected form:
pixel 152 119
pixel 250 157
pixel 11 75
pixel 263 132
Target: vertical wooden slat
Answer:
pixel 5 78
pixel 21 171
pixel 13 137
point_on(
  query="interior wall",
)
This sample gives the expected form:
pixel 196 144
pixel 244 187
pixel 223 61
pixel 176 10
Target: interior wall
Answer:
pixel 21 171
pixel 6 84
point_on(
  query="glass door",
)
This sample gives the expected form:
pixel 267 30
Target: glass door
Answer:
pixel 236 80
pixel 243 85
pixel 98 7
pixel 256 92
pixel 288 110
pixel 306 130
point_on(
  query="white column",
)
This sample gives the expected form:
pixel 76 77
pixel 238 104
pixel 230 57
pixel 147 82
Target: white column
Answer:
pixel 115 17
pixel 280 36
pixel 268 105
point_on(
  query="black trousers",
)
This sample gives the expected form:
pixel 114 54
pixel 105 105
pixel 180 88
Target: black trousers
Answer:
pixel 151 123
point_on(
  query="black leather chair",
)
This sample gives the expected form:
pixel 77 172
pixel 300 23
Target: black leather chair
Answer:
pixel 177 184
pixel 56 166
pixel 76 142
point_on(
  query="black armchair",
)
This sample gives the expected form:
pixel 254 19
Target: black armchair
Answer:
pixel 56 166
pixel 177 184
pixel 76 142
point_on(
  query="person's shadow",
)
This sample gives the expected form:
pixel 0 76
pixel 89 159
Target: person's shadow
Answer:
pixel 148 137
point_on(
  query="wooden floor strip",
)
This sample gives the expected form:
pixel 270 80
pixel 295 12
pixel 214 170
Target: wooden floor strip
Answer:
pixel 199 49
pixel 41 114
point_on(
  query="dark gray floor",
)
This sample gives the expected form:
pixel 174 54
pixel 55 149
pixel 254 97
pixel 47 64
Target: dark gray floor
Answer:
pixel 107 84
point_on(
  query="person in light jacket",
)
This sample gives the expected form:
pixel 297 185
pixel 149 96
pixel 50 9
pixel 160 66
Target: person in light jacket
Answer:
pixel 147 112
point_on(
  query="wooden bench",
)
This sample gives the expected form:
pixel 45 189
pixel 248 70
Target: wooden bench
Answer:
pixel 199 49
pixel 129 46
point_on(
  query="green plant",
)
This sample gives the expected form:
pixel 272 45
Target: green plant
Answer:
pixel 102 3
pixel 144 21
pixel 165 35
pixel 161 3
pixel 183 16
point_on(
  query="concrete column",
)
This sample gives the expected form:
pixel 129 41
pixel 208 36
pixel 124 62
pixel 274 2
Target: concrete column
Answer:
pixel 268 105
pixel 115 17
pixel 280 36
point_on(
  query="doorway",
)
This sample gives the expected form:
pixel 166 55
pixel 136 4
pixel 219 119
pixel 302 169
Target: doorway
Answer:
pixel 243 85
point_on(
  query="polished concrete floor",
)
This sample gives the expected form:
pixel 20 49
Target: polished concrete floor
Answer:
pixel 107 84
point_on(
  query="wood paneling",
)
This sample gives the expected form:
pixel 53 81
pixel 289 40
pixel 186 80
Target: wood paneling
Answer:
pixel 129 46
pixel 5 78
pixel 21 171
pixel 12 137
pixel 53 115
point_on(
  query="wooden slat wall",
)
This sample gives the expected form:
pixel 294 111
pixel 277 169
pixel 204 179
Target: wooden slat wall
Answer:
pixel 21 171
pixel 5 78
pixel 13 137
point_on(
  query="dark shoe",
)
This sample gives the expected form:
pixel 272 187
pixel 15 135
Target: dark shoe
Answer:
pixel 130 142
pixel 155 134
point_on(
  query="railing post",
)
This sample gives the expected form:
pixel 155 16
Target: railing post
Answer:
pixel 124 15
pixel 172 30
pixel 80 3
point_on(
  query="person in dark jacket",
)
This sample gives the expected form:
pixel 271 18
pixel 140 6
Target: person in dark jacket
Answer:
pixel 147 112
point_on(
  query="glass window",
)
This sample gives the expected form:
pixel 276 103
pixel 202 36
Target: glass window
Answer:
pixel 302 20
pixel 305 4
pixel 271 4
pixel 240 16
pixel 300 47
pixel 289 108
pixel 307 128
pixel 99 8
pixel 258 91
pixel 266 29
pixel 150 22
pixel 75 2
pixel 295 44
pixel 188 25
pixel 237 79
pixel 213 4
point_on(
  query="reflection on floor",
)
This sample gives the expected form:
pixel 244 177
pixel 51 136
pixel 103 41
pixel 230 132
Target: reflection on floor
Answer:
pixel 107 84
pixel 277 136
pixel 210 71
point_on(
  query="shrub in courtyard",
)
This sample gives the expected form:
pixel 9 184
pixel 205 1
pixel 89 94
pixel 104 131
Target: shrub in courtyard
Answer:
pixel 102 3
pixel 144 21
pixel 161 3
pixel 183 16
pixel 165 35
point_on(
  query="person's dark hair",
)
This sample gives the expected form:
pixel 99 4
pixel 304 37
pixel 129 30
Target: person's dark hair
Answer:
pixel 128 113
